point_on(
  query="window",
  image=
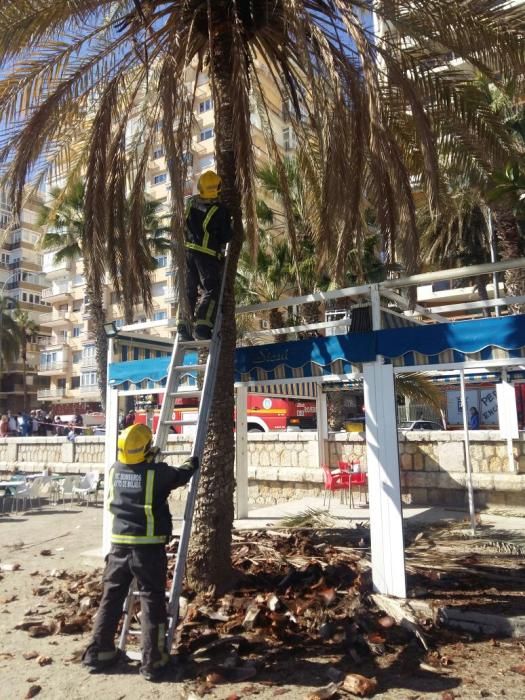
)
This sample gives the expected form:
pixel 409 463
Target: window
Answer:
pixel 88 379
pixel 159 179
pixel 77 356
pixel 158 289
pixel 158 153
pixel 206 105
pixel 206 134
pixel 75 382
pixel 77 330
pixel 161 260
pixel 89 352
pixel 159 315
pixel 207 162
pixel 77 304
pixel 37 299
pixel 119 322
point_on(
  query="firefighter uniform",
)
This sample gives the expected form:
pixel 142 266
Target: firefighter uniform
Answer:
pixel 208 229
pixel 141 526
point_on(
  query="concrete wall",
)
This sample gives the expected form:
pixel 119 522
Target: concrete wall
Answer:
pixel 283 466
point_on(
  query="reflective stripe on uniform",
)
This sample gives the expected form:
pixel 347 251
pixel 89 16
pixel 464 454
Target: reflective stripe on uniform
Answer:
pixel 148 503
pixel 205 225
pixel 138 539
pixel 106 655
pixel 203 248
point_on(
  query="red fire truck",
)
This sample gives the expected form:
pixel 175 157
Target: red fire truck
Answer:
pixel 265 414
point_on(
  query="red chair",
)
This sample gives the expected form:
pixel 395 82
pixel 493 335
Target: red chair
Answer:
pixel 335 482
pixel 359 479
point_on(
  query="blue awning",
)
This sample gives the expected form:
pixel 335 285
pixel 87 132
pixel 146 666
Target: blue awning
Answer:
pixel 316 357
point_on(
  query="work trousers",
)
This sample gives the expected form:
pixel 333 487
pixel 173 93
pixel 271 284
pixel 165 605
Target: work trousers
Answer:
pixel 148 565
pixel 204 272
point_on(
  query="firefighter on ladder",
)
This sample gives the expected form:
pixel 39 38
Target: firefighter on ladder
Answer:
pixel 208 229
pixel 141 526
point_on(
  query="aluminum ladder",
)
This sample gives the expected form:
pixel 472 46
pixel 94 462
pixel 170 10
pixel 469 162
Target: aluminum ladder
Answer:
pixel 175 371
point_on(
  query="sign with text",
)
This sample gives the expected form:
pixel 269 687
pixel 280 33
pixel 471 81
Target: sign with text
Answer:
pixel 508 414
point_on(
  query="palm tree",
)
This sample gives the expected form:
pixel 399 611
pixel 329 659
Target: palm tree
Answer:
pixel 270 276
pixel 64 215
pixel 87 83
pixel 9 332
pixel 27 329
pixel 459 235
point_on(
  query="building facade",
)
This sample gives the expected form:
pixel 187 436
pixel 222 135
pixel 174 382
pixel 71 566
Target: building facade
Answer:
pixel 67 364
pixel 22 285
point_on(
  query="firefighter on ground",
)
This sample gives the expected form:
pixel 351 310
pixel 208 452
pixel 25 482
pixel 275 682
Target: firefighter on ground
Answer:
pixel 138 491
pixel 208 229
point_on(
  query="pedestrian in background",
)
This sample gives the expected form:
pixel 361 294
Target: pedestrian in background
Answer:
pixel 473 422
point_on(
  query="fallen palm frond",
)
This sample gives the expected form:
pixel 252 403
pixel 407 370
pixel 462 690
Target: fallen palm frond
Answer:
pixel 309 518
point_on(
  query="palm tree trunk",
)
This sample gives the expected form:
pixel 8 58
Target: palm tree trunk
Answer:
pixel 209 557
pixel 24 369
pixel 276 318
pixel 98 316
pixel 510 246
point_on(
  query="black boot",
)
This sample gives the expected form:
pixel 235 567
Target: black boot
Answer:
pixel 184 331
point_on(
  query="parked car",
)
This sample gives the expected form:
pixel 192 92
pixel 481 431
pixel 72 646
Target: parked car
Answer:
pixel 419 425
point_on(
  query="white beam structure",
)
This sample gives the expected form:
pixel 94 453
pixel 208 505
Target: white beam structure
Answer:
pixel 322 426
pixel 112 397
pixel 384 485
pixel 241 450
pixel 468 463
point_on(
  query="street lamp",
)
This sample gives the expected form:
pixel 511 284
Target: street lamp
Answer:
pixel 110 329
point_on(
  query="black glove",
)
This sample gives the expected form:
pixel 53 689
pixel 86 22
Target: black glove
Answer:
pixel 190 465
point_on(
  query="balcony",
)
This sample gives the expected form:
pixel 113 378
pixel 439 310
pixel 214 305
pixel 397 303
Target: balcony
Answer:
pixel 89 363
pixel 53 270
pixel 53 369
pixel 56 318
pixel 85 393
pixel 59 291
pixel 171 296
pixel 46 394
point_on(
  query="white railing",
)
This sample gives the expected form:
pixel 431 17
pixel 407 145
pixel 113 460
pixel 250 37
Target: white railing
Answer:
pixel 54 316
pixel 50 393
pixel 56 289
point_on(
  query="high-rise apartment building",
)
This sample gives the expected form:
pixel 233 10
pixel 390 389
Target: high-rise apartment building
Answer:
pixel 22 284
pixel 68 362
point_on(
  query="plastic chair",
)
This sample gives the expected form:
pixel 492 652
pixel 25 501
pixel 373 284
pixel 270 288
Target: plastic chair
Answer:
pixel 87 487
pixel 28 492
pixel 66 487
pixel 359 479
pixel 335 482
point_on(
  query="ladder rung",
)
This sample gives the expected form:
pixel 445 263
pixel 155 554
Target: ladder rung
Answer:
pixel 179 422
pixel 186 394
pixel 189 368
pixel 194 343
pixel 173 454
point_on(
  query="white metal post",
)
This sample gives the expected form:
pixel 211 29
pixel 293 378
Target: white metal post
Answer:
pixel 322 426
pixel 112 397
pixel 384 486
pixel 508 417
pixel 241 449
pixel 470 488
pixel 375 299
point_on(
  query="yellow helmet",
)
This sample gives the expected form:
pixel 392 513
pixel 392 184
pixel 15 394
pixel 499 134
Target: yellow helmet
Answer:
pixel 134 444
pixel 209 185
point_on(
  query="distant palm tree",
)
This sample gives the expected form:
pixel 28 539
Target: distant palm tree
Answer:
pixel 27 329
pixel 9 332
pixel 86 84
pixel 64 215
